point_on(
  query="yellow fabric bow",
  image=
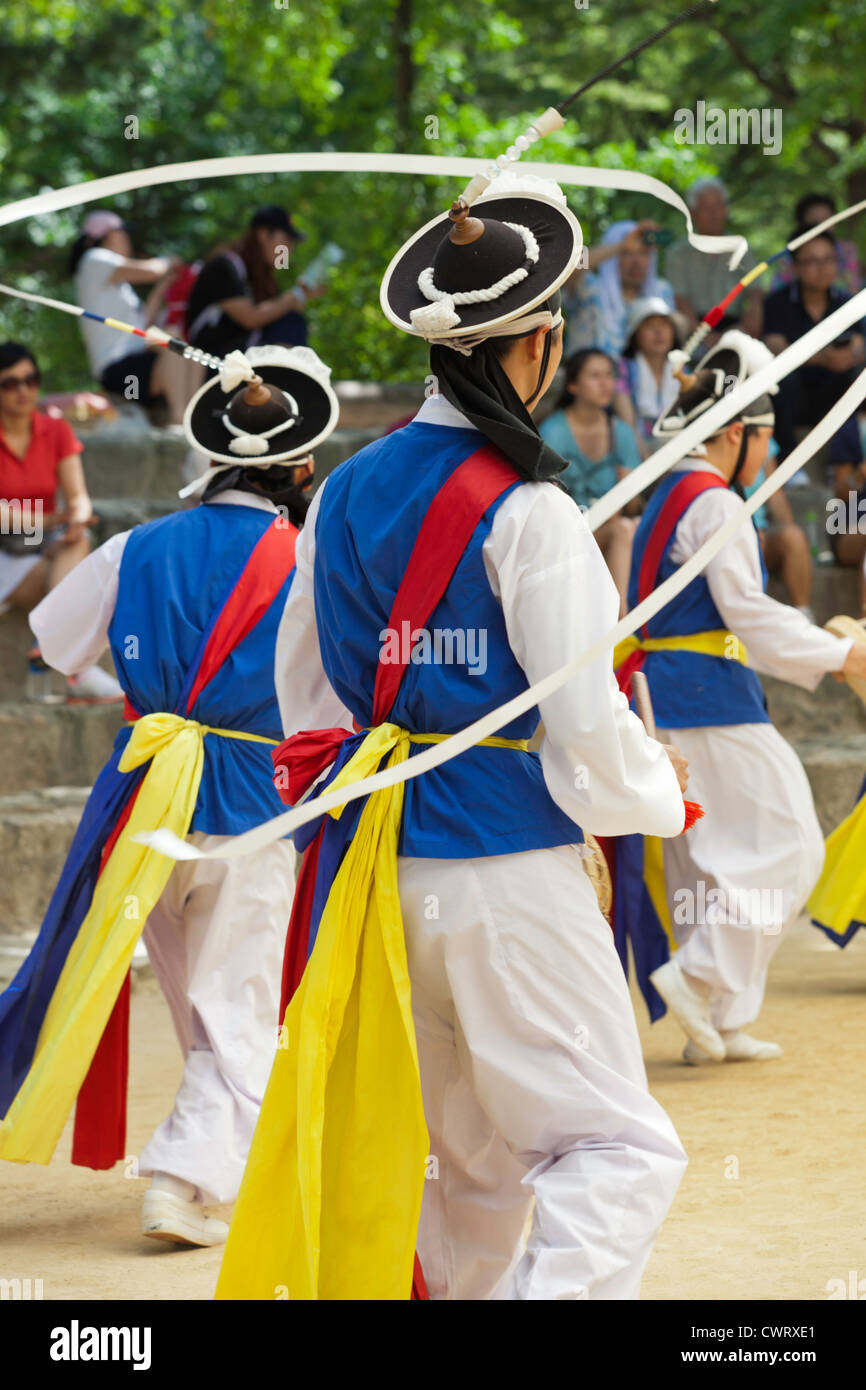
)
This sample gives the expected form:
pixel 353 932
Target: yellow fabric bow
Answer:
pixel 95 968
pixel 331 1196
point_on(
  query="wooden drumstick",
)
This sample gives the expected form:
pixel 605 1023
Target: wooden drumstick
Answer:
pixel 643 703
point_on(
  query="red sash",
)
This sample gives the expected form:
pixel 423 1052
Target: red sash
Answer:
pixel 99 1137
pixel 678 500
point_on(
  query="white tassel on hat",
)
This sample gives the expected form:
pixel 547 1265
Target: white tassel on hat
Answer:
pixel 753 353
pixel 235 369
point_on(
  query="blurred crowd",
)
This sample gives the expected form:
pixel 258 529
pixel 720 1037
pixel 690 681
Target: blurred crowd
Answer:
pixel 623 316
pixel 232 299
pixel 624 313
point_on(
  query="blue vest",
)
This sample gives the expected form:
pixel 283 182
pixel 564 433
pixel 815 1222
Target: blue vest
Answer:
pixel 175 575
pixel 690 690
pixel 487 800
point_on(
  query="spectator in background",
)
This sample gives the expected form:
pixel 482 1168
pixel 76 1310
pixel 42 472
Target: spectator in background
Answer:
pixel 104 270
pixel 700 280
pixel 812 209
pixel 597 301
pixel 806 394
pixel 599 448
pixel 784 544
pixel 39 457
pixel 848 543
pixel 646 385
pixel 236 301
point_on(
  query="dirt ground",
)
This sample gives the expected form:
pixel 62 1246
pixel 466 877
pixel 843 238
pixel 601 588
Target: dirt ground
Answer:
pixel 771 1206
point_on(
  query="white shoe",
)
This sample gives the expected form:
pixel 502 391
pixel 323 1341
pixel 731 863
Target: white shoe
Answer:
pixel 688 1008
pixel 166 1217
pixel 93 686
pixel 739 1047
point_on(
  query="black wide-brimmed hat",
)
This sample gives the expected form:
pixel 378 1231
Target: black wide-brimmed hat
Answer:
pixel 469 275
pixel 733 359
pixel 282 417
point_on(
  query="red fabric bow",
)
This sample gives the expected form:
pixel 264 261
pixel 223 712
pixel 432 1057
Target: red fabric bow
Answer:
pixel 299 760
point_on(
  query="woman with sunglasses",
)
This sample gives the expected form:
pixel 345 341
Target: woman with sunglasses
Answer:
pixel 41 539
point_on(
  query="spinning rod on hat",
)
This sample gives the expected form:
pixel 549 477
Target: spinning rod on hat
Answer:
pixel 233 369
pixel 152 334
pixel 553 118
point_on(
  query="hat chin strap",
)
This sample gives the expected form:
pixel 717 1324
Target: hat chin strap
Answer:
pixel 555 321
pixel 538 318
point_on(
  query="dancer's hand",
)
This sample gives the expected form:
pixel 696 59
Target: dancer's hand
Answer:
pixel 679 763
pixel 855 661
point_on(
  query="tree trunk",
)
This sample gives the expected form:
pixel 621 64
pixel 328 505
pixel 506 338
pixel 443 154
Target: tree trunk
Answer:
pixel 404 71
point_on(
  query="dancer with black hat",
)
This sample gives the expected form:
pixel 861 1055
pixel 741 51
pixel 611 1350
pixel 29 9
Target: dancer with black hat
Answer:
pixel 189 605
pixel 726 893
pixel 456 572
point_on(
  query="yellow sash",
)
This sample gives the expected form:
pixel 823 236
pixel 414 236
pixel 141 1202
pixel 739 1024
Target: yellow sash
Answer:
pixel 718 642
pixel 839 896
pixel 126 891
pixel 331 1195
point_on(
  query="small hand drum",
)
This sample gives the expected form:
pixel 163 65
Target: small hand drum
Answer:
pixel 843 626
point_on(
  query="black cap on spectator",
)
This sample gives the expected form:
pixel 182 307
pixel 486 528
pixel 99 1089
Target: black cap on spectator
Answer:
pixel 276 219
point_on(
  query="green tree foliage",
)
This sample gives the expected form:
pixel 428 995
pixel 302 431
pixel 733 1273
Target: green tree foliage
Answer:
pixel 461 77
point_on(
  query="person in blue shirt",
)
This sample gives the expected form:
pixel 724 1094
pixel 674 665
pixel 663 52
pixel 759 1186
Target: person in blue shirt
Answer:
pixel 600 449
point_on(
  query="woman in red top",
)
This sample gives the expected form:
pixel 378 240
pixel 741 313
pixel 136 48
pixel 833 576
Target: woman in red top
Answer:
pixel 41 540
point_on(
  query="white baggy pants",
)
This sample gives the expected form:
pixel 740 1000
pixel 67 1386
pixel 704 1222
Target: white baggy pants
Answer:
pixel 215 940
pixel 759 843
pixel 533 1082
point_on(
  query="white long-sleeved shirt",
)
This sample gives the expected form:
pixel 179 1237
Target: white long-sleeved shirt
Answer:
pixel 557 597
pixel 780 640
pixel 71 623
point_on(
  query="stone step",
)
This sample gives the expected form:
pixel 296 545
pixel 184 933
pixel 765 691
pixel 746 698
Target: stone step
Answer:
pixel 55 745
pixel 132 460
pixel 117 514
pixel 135 462
pixel 15 641
pixel 836 767
pixel 830 711
pixel 36 830
pixel 834 590
pixel 341 446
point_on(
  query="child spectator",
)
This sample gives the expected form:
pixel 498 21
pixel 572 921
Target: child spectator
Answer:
pixel 600 449
pixel 39 542
pixel 646 385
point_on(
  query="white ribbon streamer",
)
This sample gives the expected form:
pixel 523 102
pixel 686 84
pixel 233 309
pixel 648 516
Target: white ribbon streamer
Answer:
pixel 724 410
pixel 96 190
pixel 438 753
pixel 576 176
